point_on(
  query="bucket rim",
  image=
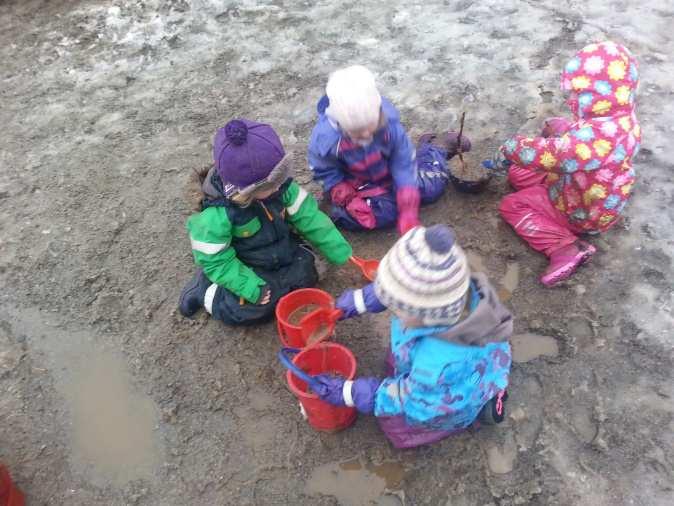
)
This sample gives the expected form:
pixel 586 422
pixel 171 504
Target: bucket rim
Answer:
pixel 287 296
pixel 310 395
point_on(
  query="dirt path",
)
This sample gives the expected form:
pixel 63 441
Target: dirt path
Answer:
pixel 107 106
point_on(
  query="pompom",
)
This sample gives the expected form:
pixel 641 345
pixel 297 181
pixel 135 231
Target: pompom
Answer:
pixel 440 238
pixel 236 131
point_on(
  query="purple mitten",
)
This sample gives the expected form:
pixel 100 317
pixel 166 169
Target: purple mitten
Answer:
pixel 356 302
pixel 337 391
pixel 331 389
pixel 362 394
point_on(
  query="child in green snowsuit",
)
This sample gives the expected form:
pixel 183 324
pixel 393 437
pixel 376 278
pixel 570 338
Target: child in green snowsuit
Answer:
pixel 246 240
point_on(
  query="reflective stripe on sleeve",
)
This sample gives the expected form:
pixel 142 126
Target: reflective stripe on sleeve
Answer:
pixel 301 196
pixel 207 247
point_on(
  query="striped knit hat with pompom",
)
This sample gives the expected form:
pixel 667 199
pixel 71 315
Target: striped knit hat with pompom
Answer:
pixel 425 275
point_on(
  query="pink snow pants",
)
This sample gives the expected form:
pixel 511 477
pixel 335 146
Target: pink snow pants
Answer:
pixel 531 213
pixel 529 210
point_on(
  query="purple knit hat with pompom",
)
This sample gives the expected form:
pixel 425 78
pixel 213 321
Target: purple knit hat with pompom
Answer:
pixel 245 152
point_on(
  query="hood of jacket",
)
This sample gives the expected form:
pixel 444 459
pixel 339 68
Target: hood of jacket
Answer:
pixel 326 133
pixel 602 81
pixel 488 322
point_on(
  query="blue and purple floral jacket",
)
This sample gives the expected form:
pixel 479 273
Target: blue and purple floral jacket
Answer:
pixel 445 375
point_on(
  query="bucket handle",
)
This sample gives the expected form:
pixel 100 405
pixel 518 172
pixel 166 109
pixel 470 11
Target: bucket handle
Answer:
pixel 315 385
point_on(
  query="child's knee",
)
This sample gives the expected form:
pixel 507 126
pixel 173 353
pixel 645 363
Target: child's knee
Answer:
pixel 508 205
pixel 432 186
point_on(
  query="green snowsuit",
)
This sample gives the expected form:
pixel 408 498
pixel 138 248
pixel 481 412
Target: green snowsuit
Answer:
pixel 243 249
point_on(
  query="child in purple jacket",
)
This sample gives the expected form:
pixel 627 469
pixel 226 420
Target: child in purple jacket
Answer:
pixel 362 156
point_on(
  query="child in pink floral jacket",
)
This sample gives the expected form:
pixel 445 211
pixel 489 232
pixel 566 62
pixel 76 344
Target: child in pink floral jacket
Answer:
pixel 577 177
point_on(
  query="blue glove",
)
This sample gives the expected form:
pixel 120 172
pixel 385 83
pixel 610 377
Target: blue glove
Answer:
pixel 340 392
pixel 356 302
pixel 498 165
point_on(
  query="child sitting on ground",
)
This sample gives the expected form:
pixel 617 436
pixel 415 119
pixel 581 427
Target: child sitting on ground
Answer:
pixel 449 360
pixel 360 153
pixel 244 238
pixel 577 177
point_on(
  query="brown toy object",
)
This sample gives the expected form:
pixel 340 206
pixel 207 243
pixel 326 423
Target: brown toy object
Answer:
pixel 319 325
pixel 467 177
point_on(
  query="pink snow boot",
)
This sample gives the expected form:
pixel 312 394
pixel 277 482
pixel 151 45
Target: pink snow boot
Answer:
pixel 565 261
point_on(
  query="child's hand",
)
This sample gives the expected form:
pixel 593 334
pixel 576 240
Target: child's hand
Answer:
pixel 555 127
pixel 331 389
pixel 356 302
pixel 342 193
pixel 498 165
pixel 547 130
pixel 407 221
pixel 407 199
pixel 345 303
pixel 338 391
pixel 265 296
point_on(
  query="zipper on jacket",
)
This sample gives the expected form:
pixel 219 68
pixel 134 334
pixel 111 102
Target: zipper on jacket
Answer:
pixel 266 211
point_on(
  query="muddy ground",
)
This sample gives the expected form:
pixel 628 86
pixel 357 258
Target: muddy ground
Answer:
pixel 109 397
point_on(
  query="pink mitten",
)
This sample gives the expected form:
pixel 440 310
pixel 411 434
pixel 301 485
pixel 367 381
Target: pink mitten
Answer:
pixel 342 193
pixel 555 127
pixel 361 212
pixel 408 200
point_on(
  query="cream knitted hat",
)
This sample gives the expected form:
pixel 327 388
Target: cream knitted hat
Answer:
pixel 355 102
pixel 425 275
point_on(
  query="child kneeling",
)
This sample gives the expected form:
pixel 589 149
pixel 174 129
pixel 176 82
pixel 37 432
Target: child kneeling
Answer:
pixel 449 361
pixel 246 239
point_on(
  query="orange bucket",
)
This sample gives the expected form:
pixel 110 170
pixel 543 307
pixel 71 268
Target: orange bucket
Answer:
pixel 323 358
pixel 287 320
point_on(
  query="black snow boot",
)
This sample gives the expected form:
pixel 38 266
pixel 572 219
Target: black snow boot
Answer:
pixel 494 411
pixel 192 296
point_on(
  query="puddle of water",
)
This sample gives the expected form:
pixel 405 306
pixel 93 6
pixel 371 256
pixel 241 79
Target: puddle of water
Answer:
pixel 354 482
pixel 510 281
pixel 527 347
pixel 111 425
pixel 501 460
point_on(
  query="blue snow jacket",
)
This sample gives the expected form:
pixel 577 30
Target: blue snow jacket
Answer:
pixel 333 157
pixel 445 375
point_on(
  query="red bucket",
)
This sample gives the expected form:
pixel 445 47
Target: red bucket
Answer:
pixel 289 333
pixel 9 494
pixel 325 357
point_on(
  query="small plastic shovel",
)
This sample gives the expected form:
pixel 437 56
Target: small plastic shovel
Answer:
pixel 367 267
pixel 319 325
pixel 315 385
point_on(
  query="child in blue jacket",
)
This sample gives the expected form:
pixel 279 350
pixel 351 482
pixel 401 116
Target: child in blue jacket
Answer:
pixel 360 153
pixel 450 357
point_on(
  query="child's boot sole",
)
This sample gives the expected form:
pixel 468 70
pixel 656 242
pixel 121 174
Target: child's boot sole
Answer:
pixel 566 271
